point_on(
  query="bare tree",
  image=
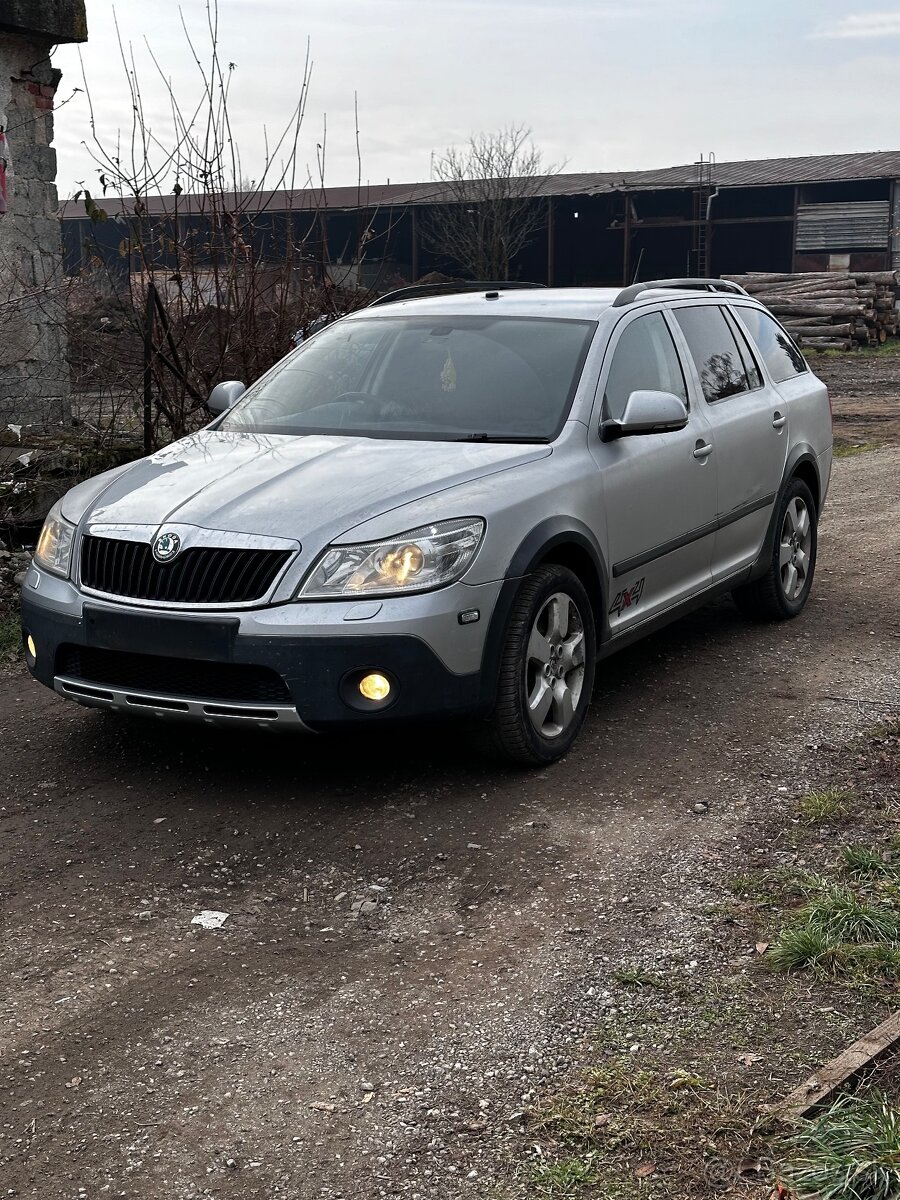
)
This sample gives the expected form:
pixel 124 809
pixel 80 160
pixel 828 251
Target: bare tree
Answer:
pixel 211 280
pixel 488 209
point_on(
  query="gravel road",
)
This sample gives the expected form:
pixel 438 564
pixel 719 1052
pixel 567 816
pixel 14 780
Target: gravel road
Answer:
pixel 415 940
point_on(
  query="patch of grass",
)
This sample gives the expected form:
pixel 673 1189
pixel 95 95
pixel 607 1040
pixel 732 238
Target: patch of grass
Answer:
pixel 829 804
pixel 637 977
pixel 851 1151
pixel 618 1116
pixel 10 635
pixel 579 1118
pixel 849 449
pixel 840 914
pixel 562 1179
pixel 798 946
pixel 777 888
pixel 863 863
pixel 840 933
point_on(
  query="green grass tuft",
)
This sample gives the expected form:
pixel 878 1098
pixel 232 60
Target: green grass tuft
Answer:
pixel 564 1178
pixel 838 933
pixel 851 1151
pixel 637 977
pixel 829 804
pixel 799 946
pixel 841 915
pixel 862 863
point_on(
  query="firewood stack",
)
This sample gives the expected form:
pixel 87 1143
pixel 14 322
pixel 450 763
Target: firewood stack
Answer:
pixel 833 310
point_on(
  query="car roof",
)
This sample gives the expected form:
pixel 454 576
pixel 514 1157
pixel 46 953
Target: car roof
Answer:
pixel 575 303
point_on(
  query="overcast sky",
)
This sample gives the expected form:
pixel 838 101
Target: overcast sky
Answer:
pixel 603 84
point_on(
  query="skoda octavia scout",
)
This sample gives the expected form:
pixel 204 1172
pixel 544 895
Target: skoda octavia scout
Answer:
pixel 445 505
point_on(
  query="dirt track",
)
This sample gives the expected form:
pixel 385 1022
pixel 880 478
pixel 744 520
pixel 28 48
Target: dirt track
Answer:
pixel 865 395
pixel 310 1048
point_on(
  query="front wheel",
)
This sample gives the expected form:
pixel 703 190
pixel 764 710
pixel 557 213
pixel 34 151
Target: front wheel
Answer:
pixel 784 589
pixel 547 668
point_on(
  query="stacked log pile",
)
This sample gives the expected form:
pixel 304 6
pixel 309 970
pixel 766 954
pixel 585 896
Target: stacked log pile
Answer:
pixel 834 310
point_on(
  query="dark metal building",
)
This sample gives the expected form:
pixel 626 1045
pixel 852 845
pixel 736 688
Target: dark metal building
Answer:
pixel 838 211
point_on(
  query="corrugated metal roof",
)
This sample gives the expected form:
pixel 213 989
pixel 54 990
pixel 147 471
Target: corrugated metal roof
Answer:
pixel 762 172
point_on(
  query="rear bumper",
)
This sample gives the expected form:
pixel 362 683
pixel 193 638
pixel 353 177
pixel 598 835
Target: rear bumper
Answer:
pixel 268 668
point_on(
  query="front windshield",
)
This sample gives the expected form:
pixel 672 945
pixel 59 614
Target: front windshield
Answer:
pixel 447 378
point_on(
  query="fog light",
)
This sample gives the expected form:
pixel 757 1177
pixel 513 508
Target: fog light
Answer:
pixel 374 687
pixel 30 646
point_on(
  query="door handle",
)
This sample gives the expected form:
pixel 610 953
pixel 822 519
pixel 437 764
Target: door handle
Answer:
pixel 779 420
pixel 703 450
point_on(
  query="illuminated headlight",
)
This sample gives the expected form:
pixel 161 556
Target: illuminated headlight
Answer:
pixel 54 548
pixel 418 561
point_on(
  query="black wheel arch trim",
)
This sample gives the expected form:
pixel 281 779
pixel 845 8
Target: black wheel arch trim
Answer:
pixel 800 454
pixel 533 550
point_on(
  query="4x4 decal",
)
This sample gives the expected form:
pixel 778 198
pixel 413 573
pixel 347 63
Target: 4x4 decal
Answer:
pixel 627 598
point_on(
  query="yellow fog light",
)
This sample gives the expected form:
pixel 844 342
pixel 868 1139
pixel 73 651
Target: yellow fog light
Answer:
pixel 30 646
pixel 374 687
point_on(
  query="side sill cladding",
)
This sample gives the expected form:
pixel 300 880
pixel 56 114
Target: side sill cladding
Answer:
pixel 554 539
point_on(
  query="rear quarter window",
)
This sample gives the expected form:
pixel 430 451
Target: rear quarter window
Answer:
pixel 777 349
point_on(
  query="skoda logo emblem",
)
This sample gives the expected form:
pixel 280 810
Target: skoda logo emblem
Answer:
pixel 166 547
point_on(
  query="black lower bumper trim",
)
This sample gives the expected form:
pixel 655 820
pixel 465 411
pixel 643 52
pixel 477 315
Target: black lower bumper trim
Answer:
pixel 307 672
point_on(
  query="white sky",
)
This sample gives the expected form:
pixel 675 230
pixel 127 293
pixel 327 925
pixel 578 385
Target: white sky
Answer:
pixel 604 84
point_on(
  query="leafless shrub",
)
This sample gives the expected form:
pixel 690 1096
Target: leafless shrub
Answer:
pixel 207 275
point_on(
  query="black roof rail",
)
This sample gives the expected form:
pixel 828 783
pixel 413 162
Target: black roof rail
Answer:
pixel 627 295
pixel 419 291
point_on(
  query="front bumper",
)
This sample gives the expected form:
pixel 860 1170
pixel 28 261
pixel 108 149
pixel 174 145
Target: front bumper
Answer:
pixel 289 666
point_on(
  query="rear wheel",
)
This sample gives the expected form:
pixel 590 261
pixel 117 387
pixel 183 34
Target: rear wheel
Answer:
pixel 784 589
pixel 547 668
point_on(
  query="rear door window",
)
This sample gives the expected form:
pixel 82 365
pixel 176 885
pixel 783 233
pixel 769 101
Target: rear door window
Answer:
pixel 779 352
pixel 714 351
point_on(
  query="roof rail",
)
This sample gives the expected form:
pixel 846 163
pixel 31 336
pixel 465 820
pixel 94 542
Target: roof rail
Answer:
pixel 627 295
pixel 420 291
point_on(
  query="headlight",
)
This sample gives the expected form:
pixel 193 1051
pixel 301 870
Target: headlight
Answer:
pixel 54 548
pixel 425 558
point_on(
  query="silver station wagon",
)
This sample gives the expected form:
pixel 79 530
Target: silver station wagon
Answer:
pixel 445 505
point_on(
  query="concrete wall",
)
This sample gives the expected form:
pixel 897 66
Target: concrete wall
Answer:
pixel 34 379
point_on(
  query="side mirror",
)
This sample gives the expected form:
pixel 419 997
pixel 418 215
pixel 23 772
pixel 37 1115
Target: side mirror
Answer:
pixel 224 395
pixel 646 412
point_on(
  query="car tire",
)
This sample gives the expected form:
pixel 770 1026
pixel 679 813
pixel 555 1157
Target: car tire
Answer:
pixel 782 592
pixel 546 669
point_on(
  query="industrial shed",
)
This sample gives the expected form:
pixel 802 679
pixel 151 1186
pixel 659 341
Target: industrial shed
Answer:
pixel 828 212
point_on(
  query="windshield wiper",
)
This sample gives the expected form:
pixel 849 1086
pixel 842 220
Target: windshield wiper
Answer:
pixel 491 437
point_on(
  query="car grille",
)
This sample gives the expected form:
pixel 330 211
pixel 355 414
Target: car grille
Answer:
pixel 241 682
pixel 200 575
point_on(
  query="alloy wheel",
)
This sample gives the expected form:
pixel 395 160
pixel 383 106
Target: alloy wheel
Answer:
pixel 796 544
pixel 554 666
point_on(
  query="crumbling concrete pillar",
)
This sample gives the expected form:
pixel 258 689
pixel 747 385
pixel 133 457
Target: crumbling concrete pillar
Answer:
pixel 34 377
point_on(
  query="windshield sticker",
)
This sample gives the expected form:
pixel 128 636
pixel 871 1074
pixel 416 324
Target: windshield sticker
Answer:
pixel 627 598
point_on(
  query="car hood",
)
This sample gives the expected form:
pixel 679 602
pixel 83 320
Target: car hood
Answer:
pixel 310 488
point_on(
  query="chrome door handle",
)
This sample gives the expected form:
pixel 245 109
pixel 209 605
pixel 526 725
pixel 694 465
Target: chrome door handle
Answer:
pixel 703 450
pixel 779 421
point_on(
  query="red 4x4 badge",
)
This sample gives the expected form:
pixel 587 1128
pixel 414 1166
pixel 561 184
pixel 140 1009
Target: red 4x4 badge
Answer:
pixel 627 598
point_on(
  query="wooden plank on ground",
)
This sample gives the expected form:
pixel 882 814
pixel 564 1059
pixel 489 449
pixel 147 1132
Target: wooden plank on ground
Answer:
pixel 818 1087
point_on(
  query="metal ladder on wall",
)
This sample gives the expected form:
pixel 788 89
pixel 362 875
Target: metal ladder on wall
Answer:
pixel 706 168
